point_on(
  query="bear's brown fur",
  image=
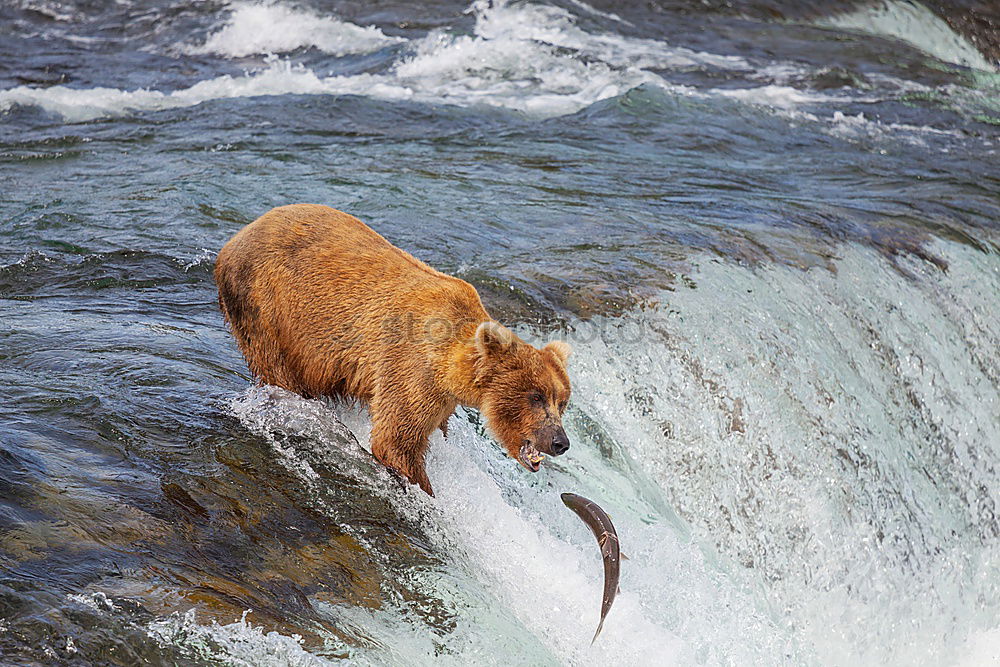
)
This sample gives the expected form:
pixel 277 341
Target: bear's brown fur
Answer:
pixel 321 305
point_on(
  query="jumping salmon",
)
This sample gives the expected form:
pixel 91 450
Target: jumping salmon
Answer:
pixel 600 524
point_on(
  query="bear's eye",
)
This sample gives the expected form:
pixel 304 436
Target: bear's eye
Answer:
pixel 537 398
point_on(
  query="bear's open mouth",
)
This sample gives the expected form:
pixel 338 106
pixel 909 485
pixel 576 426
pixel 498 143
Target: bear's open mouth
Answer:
pixel 530 457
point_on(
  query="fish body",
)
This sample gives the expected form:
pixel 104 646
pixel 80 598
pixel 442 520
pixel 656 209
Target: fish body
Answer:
pixel 600 524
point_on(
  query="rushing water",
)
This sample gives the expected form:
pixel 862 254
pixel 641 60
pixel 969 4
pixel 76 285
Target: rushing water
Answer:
pixel 773 243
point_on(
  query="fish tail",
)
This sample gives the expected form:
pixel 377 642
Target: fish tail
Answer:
pixel 600 626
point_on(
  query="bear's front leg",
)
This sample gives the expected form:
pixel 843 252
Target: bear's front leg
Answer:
pixel 399 440
pixel 404 456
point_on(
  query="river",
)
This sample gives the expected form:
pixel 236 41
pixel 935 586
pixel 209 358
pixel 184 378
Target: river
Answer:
pixel 771 237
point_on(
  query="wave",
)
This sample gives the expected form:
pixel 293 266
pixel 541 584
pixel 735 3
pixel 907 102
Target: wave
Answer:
pixel 525 57
pixel 776 96
pixel 272 28
pixel 913 23
pixel 239 643
pixel 557 27
pixel 55 11
pixel 804 106
pixel 500 67
pixel 451 71
pixel 83 104
pixel 859 127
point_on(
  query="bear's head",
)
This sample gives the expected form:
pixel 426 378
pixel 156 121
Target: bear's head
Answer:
pixel 524 391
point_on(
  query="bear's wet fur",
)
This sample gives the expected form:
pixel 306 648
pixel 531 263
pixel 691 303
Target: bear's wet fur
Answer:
pixel 321 305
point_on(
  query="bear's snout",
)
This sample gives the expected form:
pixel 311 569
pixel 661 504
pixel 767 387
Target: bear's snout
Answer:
pixel 560 443
pixel 552 440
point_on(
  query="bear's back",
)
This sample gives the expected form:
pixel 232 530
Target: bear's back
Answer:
pixel 303 285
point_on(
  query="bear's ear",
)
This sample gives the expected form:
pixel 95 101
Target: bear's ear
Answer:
pixel 493 337
pixel 561 349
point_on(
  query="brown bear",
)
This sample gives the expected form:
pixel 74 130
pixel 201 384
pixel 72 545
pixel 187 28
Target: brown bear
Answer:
pixel 321 305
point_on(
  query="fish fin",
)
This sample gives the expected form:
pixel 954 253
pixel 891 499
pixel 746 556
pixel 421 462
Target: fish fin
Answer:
pixel 623 556
pixel 600 626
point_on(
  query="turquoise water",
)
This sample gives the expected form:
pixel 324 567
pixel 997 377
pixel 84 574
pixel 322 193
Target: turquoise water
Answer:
pixel 772 243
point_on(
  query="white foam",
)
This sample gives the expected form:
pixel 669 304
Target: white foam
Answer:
pixel 597 12
pixel 516 58
pixel 98 601
pixel 277 78
pixel 858 126
pixel 775 96
pixel 981 648
pixel 509 72
pixel 274 28
pixel 551 586
pixel 461 71
pixel 788 102
pixel 913 23
pixel 523 566
pixel 238 644
pixel 526 57
pixel 811 424
pixel 556 26
pixel 267 411
pixel 56 11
